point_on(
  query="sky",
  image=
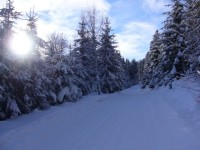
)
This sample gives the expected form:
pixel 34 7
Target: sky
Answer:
pixel 133 21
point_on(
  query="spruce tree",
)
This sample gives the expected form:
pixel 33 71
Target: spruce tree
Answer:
pixel 93 26
pixel 153 58
pixel 82 54
pixel 146 73
pixel 133 71
pixel 192 20
pixel 173 43
pixel 110 64
pixel 8 17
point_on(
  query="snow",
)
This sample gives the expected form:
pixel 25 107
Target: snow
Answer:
pixel 134 119
pixel 13 108
pixel 62 93
pixel 72 94
pixel 199 59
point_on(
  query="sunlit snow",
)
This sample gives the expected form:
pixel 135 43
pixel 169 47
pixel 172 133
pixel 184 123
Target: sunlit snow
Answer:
pixel 133 119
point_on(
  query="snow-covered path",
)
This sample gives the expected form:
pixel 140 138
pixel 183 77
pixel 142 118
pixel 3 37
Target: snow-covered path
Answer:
pixel 130 120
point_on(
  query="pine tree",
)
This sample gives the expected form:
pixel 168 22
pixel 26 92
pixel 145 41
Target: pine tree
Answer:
pixel 127 67
pixel 173 44
pixel 133 71
pixel 153 59
pixel 155 47
pixel 82 54
pixel 4 89
pixel 192 20
pixel 8 17
pixel 110 65
pixel 9 104
pixel 93 25
pixel 32 18
pixel 146 72
pixel 81 77
pixel 140 67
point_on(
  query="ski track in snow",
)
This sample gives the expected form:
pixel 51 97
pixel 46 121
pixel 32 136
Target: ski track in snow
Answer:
pixel 133 119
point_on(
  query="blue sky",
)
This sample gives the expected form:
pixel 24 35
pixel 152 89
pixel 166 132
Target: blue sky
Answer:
pixel 134 21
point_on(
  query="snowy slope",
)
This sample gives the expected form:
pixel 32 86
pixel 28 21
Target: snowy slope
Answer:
pixel 133 119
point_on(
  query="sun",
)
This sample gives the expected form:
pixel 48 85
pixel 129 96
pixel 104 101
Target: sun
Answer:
pixel 20 44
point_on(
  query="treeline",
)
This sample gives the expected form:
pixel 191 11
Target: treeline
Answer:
pixel 57 71
pixel 174 51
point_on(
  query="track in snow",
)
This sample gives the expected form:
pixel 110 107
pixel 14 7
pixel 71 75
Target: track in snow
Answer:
pixel 130 120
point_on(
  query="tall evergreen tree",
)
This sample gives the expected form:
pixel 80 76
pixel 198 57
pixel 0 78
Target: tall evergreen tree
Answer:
pixel 9 104
pixel 83 55
pixel 153 60
pixel 173 43
pixel 8 17
pixel 110 66
pixel 140 66
pixel 93 25
pixel 192 21
pixel 146 73
pixel 155 47
pixel 133 71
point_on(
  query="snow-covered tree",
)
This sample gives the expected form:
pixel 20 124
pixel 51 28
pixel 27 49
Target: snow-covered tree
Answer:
pixel 192 21
pixel 64 82
pixel 93 25
pixel 155 48
pixel 4 87
pixel 82 55
pixel 133 71
pixel 110 65
pixel 127 67
pixel 8 17
pixel 172 63
pixel 152 61
pixel 32 18
pixel 9 103
pixel 140 67
pixel 57 43
pixel 146 72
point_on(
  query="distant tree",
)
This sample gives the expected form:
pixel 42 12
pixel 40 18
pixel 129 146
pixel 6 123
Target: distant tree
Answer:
pixel 133 71
pixel 57 43
pixel 152 60
pixel 32 18
pixel 140 67
pixel 146 73
pixel 127 67
pixel 155 50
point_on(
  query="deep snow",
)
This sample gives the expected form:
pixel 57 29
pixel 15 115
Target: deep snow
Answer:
pixel 133 119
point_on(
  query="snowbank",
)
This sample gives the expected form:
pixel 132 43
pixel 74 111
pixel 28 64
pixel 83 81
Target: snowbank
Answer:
pixel 184 97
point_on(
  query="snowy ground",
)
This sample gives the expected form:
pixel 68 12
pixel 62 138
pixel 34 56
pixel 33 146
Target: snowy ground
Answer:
pixel 134 119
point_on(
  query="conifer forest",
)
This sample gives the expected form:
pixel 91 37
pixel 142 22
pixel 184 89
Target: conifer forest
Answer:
pixel 56 71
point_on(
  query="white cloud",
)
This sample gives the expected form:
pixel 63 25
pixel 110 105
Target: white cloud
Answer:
pixel 135 39
pixel 63 16
pixel 58 15
pixel 155 5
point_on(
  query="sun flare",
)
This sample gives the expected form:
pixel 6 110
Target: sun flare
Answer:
pixel 20 44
